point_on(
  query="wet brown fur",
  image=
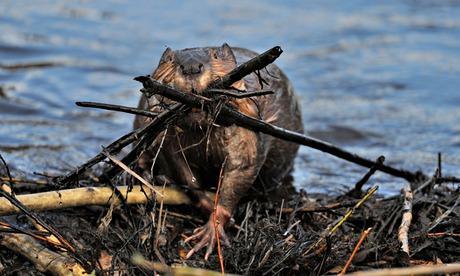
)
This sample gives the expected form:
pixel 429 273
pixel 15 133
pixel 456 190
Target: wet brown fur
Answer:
pixel 194 150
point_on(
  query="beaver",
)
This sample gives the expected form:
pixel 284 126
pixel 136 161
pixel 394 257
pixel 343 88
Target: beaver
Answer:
pixel 196 149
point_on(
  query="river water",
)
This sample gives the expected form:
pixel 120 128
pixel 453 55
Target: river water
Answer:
pixel 374 77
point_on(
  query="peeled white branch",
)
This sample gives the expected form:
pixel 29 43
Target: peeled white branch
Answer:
pixel 406 218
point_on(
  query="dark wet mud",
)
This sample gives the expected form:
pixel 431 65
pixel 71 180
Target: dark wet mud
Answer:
pixel 268 237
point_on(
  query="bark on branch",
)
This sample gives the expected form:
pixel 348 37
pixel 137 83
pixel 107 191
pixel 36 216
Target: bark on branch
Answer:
pixel 44 259
pixel 120 108
pixel 230 115
pixel 90 196
pixel 239 95
pixel 257 63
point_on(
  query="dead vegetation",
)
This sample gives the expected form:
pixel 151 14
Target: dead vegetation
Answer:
pixel 117 227
pixel 268 237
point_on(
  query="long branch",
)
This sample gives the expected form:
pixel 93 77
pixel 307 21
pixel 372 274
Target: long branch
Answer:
pixel 231 115
pixel 78 197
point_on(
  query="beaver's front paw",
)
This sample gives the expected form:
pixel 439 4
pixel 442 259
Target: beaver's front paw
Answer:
pixel 206 235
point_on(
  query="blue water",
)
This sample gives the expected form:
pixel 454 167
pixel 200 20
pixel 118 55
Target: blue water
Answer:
pixel 374 77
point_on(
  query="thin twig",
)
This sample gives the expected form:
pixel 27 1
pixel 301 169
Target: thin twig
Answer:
pixel 439 164
pixel 444 215
pixel 216 200
pixel 159 228
pixel 239 95
pixel 356 191
pixel 448 179
pixel 325 208
pixel 281 211
pixel 331 228
pixel 119 108
pixel 158 151
pixel 427 183
pixel 133 173
pixel 355 250
pixel 8 173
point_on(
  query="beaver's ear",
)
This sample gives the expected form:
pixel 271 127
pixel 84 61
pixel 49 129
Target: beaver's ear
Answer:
pixel 168 55
pixel 164 71
pixel 227 52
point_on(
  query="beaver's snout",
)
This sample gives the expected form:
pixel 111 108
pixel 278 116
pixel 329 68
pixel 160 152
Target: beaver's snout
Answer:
pixel 192 69
pixel 192 75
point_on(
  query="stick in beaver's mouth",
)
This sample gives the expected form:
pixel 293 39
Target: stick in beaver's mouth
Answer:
pixel 229 114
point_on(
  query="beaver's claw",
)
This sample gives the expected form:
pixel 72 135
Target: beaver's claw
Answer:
pixel 207 237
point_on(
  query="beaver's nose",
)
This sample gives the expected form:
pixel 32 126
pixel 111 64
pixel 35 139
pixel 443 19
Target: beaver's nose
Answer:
pixel 191 69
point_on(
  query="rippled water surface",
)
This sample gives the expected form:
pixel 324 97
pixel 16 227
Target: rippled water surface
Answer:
pixel 375 77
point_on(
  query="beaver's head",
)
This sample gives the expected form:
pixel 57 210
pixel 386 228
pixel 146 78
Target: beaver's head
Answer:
pixel 193 69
